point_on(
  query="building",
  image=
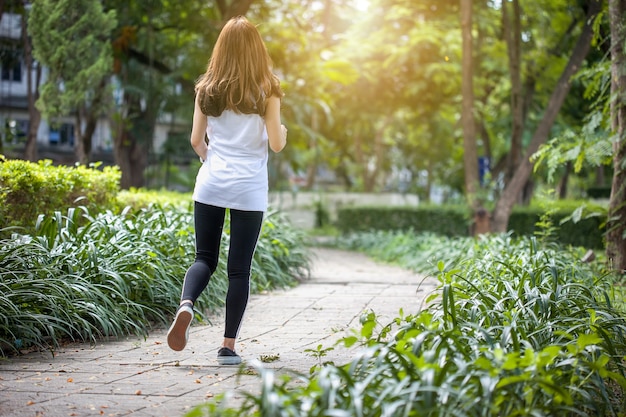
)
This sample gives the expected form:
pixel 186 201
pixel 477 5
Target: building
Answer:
pixel 55 140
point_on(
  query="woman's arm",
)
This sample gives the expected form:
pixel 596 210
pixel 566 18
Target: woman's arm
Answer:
pixel 198 131
pixel 276 132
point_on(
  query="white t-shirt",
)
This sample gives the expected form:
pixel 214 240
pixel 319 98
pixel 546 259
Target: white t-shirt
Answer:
pixel 234 174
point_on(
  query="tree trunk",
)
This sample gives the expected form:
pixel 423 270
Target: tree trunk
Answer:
pixel 79 147
pixel 470 155
pixel 512 190
pixel 561 189
pixel 312 169
pixel 34 115
pixel 616 227
pixel 130 157
pixel 513 40
pixel 600 177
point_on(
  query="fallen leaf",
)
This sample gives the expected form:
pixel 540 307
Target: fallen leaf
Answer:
pixel 70 379
pixel 198 381
pixel 30 403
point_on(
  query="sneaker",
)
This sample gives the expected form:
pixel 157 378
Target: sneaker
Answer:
pixel 226 356
pixel 178 333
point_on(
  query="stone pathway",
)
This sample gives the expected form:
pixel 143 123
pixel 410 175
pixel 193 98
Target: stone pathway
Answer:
pixel 145 378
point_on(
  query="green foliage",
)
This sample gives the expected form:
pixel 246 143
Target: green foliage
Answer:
pixel 72 39
pixel 82 277
pixel 578 224
pixel 29 189
pixel 513 330
pixel 139 198
pixel 580 227
pixel 444 220
pixel 591 146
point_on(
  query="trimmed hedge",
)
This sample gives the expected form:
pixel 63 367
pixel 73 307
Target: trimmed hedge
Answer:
pixel 455 221
pixel 28 189
pixel 442 220
pixel 587 232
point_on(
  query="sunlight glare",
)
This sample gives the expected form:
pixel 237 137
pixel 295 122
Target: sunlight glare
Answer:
pixel 361 5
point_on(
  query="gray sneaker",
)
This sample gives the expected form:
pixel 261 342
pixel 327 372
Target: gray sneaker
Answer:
pixel 226 356
pixel 178 334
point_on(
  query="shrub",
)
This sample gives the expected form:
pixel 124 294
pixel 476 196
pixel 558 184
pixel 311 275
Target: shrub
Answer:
pixel 443 220
pixel 29 189
pixel 138 199
pixel 82 276
pixel 515 329
pixel 576 226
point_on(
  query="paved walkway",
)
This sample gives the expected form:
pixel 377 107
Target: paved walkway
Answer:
pixel 145 378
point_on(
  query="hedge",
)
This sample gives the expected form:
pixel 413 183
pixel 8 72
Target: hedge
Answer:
pixel 455 221
pixel 28 189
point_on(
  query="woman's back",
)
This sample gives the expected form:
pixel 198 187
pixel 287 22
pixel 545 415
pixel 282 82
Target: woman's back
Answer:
pixel 234 174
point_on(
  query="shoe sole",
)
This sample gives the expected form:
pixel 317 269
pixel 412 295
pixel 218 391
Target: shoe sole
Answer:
pixel 228 360
pixel 177 335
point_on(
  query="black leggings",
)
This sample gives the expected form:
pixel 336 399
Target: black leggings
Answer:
pixel 245 227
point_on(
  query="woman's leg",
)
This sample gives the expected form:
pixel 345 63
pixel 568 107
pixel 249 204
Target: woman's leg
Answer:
pixel 245 227
pixel 209 222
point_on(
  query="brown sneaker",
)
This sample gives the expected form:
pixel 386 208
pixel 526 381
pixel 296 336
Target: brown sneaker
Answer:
pixel 178 333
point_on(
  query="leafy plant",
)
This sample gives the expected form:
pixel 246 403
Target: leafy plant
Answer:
pixel 84 277
pixel 319 353
pixel 28 189
pixel 516 329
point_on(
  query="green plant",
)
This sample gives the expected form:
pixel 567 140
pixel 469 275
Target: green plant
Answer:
pixel 516 329
pixel 319 353
pixel 29 189
pixel 83 277
pixel 577 225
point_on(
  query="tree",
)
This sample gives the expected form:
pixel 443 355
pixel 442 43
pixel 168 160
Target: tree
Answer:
pixel 505 203
pixel 512 29
pixel 616 227
pixel 71 38
pixel 32 87
pixel 160 48
pixel 470 156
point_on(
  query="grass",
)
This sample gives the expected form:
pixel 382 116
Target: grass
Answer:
pixel 85 277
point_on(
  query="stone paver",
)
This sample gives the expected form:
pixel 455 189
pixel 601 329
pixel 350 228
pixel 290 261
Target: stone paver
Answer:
pixel 145 378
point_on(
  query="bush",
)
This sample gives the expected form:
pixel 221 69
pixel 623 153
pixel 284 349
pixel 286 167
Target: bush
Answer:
pixel 82 276
pixel 575 226
pixel 138 199
pixel 29 189
pixel 443 220
pixel 515 329
pixel 587 232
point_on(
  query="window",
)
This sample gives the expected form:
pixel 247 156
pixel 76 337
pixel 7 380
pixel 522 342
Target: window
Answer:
pixel 62 134
pixel 15 131
pixel 11 70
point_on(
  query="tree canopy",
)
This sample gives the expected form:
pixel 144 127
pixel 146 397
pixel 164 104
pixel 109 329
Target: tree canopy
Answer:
pixel 373 87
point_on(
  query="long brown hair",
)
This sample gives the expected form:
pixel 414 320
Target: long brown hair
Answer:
pixel 239 76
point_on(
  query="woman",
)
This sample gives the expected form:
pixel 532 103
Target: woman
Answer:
pixel 237 106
